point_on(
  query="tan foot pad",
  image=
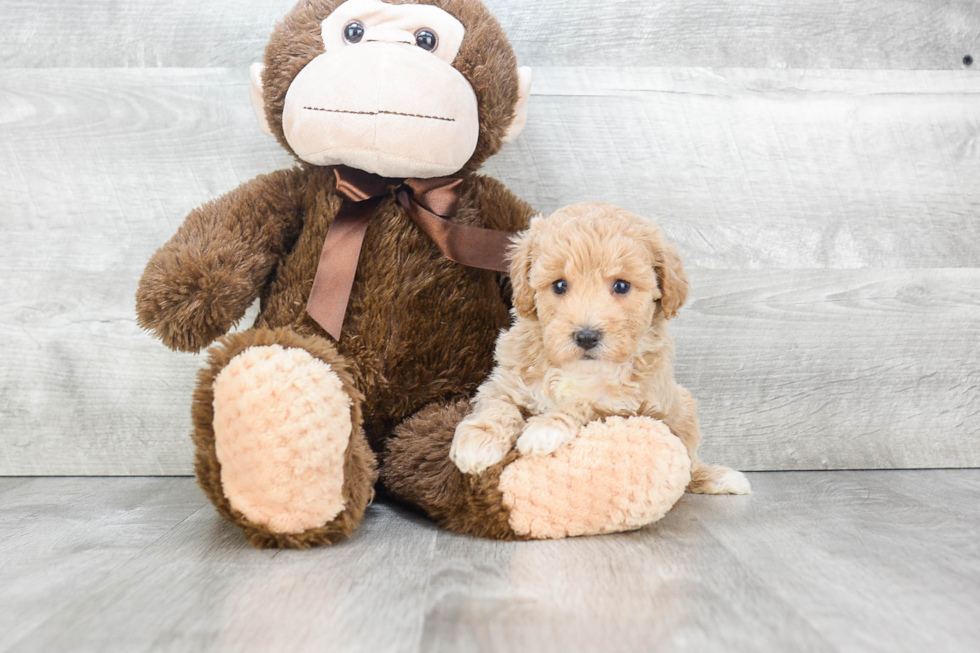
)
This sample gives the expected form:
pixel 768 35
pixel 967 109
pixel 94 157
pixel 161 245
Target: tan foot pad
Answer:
pixel 282 422
pixel 617 475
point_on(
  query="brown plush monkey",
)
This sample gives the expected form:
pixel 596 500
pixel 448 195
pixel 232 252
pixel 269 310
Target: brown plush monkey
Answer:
pixel 346 376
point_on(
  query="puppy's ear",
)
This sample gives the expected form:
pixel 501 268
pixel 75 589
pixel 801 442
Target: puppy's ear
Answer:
pixel 520 271
pixel 670 274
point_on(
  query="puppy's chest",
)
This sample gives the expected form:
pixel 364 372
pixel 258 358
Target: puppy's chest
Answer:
pixel 605 390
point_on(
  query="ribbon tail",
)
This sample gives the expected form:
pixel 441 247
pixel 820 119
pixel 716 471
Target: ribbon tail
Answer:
pixel 475 247
pixel 327 303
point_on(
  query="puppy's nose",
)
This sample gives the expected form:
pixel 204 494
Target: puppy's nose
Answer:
pixel 587 338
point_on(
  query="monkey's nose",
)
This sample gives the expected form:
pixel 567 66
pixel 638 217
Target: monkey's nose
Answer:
pixel 587 338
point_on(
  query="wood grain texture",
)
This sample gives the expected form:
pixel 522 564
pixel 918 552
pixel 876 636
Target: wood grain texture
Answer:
pixel 835 369
pixel 795 370
pixel 821 561
pixel 750 169
pixel 824 215
pixel 745 169
pixel 902 34
pixel 59 538
pixel 222 594
pixel 865 547
pixel 8 483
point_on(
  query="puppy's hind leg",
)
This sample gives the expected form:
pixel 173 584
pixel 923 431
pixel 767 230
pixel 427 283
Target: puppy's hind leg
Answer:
pixel 705 478
pixel 716 479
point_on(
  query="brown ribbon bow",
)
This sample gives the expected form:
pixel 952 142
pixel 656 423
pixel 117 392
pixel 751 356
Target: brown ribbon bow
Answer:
pixel 429 202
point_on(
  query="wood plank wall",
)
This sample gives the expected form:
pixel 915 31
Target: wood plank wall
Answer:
pixel 816 161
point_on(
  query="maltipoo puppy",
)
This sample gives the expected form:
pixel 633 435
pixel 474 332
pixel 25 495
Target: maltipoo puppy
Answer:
pixel 593 289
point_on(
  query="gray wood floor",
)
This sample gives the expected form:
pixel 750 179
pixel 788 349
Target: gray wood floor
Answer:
pixel 812 561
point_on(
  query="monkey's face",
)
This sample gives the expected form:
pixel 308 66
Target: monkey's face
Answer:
pixel 384 96
pixel 403 88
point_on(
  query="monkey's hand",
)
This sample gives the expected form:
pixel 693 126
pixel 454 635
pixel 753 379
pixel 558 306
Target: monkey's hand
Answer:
pixel 203 280
pixel 188 298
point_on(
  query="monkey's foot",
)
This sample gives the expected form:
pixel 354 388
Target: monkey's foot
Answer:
pixel 282 424
pixel 616 475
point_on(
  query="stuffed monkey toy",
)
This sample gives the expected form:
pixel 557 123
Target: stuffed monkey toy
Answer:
pixel 379 263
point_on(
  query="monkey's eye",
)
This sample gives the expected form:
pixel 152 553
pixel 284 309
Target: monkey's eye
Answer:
pixel 621 287
pixel 560 287
pixel 426 39
pixel 354 32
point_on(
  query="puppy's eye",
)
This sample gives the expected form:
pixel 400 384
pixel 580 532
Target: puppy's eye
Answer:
pixel 354 32
pixel 560 287
pixel 621 287
pixel 426 39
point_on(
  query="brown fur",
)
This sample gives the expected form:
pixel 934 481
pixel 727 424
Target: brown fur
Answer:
pixel 418 471
pixel 419 328
pixel 198 285
pixel 359 462
pixel 485 59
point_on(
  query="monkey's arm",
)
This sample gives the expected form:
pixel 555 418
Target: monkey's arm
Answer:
pixel 203 280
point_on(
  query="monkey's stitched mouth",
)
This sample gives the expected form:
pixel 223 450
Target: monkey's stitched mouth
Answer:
pixel 377 113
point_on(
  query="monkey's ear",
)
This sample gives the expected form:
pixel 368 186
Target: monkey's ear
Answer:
pixel 520 111
pixel 258 102
pixel 520 272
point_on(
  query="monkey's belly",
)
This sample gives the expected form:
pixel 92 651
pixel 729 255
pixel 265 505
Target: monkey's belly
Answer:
pixel 418 327
pixel 432 337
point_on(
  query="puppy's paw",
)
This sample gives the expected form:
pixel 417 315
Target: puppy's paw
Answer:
pixel 541 438
pixel 715 479
pixel 477 446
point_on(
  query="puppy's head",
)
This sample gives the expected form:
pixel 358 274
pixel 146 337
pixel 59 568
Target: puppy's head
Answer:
pixel 597 278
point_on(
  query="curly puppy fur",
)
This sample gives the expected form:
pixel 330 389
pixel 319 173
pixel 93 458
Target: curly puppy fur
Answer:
pixel 547 384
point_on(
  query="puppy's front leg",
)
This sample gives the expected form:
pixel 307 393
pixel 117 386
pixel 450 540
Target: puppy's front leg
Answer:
pixel 484 437
pixel 549 432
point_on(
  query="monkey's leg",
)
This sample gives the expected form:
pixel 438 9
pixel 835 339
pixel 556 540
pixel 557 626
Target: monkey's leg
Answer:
pixel 616 475
pixel 280 449
pixel 416 469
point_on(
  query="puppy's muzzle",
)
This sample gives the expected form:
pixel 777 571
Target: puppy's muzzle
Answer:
pixel 587 338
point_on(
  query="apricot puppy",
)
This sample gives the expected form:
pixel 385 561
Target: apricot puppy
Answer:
pixel 594 287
